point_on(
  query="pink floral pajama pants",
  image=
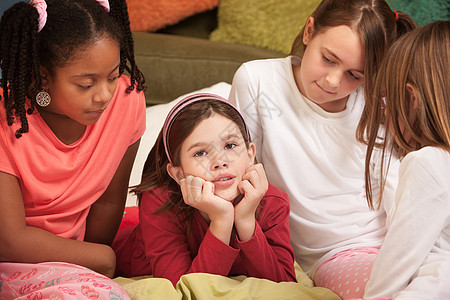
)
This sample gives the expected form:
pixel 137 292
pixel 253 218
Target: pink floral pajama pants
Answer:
pixel 55 281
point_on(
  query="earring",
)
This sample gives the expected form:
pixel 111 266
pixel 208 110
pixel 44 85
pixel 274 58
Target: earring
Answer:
pixel 43 99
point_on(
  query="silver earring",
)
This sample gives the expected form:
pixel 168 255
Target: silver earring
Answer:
pixel 43 99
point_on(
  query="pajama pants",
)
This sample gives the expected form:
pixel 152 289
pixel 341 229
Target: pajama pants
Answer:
pixel 347 272
pixel 55 281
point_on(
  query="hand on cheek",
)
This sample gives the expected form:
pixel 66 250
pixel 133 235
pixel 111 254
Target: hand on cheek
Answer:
pixel 199 194
pixel 253 186
pixel 191 188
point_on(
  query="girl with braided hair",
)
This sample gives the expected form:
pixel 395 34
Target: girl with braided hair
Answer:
pixel 70 125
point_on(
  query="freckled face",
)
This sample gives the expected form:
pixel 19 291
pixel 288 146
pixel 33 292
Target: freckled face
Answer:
pixel 82 89
pixel 331 68
pixel 215 151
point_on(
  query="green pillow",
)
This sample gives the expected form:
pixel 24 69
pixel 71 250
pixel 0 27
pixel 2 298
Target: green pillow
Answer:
pixel 271 24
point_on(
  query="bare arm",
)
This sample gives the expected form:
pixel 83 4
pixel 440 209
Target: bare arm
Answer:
pixel 22 243
pixel 106 213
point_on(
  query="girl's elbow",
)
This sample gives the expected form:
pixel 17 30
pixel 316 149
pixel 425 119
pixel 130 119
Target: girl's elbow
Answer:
pixel 106 263
pixel 10 249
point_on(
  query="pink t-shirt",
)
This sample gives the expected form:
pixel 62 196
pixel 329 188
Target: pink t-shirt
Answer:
pixel 60 182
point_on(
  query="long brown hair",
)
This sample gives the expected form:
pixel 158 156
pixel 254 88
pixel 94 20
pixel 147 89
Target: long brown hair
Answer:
pixel 377 25
pixel 421 59
pixel 155 173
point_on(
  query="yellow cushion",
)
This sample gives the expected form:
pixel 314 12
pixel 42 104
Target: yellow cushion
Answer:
pixel 271 24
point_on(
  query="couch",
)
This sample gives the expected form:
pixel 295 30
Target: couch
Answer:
pixel 180 58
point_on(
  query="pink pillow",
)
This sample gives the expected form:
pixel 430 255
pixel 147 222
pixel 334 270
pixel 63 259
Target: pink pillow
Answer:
pixel 151 15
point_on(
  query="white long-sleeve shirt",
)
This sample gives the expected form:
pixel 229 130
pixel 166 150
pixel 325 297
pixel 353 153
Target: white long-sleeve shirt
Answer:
pixel 414 260
pixel 314 156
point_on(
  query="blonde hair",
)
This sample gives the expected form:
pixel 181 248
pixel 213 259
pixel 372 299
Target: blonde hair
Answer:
pixel 421 59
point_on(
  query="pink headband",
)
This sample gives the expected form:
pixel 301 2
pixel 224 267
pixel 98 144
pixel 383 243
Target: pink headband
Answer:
pixel 180 106
pixel 41 7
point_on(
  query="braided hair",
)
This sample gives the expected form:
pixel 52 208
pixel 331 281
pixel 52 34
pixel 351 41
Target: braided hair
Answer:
pixel 72 25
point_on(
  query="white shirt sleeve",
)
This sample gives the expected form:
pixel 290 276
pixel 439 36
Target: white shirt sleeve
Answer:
pixel 421 215
pixel 244 98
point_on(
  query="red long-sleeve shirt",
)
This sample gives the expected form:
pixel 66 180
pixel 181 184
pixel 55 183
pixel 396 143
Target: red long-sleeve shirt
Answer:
pixel 159 246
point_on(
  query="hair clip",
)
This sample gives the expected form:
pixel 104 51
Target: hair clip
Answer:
pixel 41 7
pixel 396 14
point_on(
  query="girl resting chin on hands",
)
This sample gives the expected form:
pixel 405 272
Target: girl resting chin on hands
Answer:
pixel 205 206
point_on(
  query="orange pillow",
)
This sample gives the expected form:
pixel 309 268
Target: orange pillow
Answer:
pixel 151 15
